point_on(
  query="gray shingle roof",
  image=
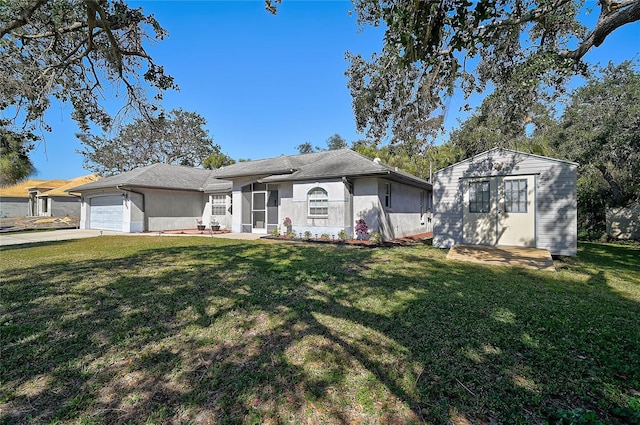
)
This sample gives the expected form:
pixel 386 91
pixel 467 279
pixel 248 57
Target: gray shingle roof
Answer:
pixel 278 165
pixel 218 185
pixel 316 165
pixel 345 163
pixel 161 176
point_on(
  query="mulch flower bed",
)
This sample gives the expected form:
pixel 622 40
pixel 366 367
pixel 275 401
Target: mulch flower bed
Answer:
pixel 424 238
pixel 188 232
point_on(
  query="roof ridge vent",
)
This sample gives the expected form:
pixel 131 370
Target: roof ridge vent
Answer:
pixel 377 160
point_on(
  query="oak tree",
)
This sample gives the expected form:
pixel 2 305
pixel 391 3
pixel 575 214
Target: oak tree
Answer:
pixel 81 52
pixel 600 130
pixel 525 49
pixel 178 138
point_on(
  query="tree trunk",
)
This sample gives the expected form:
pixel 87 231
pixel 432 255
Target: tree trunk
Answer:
pixel 616 192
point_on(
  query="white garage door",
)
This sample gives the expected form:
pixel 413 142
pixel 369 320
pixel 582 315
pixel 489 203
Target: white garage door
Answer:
pixel 106 213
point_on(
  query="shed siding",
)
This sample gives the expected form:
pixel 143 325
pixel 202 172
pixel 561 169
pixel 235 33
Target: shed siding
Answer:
pixel 556 203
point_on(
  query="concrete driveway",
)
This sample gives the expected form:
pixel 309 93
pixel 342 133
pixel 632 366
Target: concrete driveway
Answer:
pixel 17 238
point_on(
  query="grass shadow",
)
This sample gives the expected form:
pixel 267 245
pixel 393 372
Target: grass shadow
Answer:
pixel 214 331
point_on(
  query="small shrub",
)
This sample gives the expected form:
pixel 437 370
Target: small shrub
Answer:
pixel 376 238
pixel 325 237
pixel 362 230
pixel 292 234
pixel 342 235
pixel 275 232
pixel 307 235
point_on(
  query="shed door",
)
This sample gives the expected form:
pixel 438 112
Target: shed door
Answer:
pixel 479 213
pixel 106 213
pixel 516 212
pixel 499 210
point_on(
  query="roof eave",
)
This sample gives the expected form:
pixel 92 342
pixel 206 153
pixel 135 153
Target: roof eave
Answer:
pixel 79 189
pixel 383 173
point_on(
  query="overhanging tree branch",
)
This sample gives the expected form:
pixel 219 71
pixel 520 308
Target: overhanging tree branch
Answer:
pixel 23 19
pixel 530 16
pixel 608 22
pixel 64 49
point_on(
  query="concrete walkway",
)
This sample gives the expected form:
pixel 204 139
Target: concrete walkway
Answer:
pixel 529 258
pixel 17 238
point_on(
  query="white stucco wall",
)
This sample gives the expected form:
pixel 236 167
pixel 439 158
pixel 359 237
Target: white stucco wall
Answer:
pixel 225 220
pixel 297 208
pixel 366 203
pixel 403 218
pixel 134 213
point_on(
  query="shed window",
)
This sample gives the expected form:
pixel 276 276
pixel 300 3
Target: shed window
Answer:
pixel 479 196
pixel 218 204
pixel 515 196
pixel 318 202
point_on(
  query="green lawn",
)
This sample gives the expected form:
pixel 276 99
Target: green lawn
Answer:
pixel 211 331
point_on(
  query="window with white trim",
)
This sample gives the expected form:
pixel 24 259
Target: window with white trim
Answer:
pixel 515 196
pixel 479 196
pixel 318 200
pixel 218 204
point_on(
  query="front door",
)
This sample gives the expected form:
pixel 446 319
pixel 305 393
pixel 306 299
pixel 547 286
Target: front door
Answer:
pixel 259 208
pixel 499 210
pixel 259 212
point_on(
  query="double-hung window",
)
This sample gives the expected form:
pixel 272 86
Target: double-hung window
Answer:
pixel 318 202
pixel 218 204
pixel 479 196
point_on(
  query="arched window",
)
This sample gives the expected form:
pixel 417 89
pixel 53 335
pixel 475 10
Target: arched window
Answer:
pixel 318 202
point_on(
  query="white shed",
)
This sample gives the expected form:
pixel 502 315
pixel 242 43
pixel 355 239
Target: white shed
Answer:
pixel 505 197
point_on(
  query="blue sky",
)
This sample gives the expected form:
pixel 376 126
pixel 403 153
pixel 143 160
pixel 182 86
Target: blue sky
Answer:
pixel 264 83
